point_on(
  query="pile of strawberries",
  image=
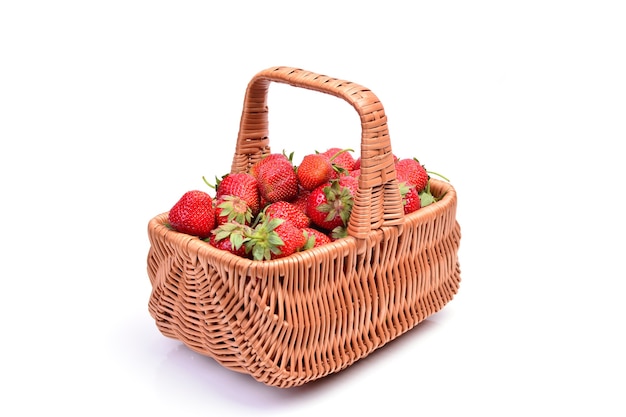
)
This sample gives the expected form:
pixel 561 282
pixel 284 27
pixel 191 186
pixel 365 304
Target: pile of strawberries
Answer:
pixel 278 208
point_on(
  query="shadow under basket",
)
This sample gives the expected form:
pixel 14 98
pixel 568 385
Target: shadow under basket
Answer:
pixel 289 321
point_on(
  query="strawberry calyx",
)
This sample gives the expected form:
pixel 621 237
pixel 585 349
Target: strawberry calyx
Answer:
pixel 339 170
pixel 309 242
pixel 339 232
pixel 236 232
pixel 263 241
pixel 404 188
pixel 314 238
pixel 339 202
pixel 234 208
pixel 426 197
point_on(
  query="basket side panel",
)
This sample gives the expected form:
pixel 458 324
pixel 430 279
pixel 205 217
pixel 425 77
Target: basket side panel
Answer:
pixel 318 312
pixel 188 300
pixel 410 273
pixel 296 325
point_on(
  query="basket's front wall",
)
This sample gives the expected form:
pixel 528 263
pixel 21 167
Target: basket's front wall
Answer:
pixel 293 320
pixel 189 298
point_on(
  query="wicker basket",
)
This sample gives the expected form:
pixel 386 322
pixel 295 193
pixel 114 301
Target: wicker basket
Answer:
pixel 290 321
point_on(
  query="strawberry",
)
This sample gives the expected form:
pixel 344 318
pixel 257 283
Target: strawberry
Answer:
pixel 289 212
pixel 274 238
pixel 301 199
pixel 329 205
pixel 267 159
pixel 193 214
pixel 410 198
pixel 277 179
pixel 315 238
pixel 229 208
pixel 314 169
pixel 230 237
pixel 350 182
pixel 242 185
pixel 341 158
pixel 411 171
pixel 293 239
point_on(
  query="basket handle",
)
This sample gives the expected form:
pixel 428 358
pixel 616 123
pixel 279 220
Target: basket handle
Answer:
pixel 377 201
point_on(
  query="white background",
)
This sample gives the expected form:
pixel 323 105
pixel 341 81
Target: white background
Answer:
pixel 109 111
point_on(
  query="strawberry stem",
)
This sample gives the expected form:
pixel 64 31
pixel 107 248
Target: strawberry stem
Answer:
pixel 213 186
pixel 332 158
pixel 437 174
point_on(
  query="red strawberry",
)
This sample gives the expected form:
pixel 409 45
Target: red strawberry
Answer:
pixel 264 202
pixel 315 238
pixel 277 179
pixel 242 185
pixel 412 172
pixel 293 239
pixel 341 158
pixel 256 167
pixel 289 212
pixel 273 239
pixel 410 198
pixel 350 182
pixel 314 169
pixel 193 214
pixel 230 237
pixel 329 205
pixel 301 199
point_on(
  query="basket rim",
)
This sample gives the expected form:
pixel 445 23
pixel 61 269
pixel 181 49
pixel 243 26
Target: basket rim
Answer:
pixel 442 189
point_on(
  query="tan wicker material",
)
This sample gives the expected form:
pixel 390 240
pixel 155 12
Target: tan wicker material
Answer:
pixel 293 320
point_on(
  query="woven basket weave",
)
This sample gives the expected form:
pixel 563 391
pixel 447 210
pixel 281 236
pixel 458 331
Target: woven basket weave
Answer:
pixel 293 320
